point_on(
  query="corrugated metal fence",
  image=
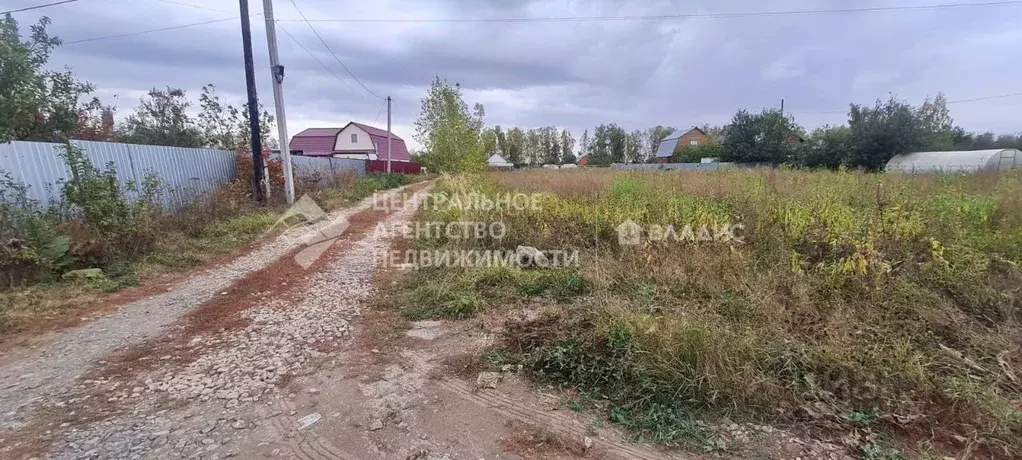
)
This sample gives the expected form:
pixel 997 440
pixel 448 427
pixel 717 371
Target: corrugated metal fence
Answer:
pixel 183 172
pixel 400 167
pixel 325 169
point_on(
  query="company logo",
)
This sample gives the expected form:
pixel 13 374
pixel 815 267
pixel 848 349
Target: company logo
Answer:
pixel 630 233
pixel 315 243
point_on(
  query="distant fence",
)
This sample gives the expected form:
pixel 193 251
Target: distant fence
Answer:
pixel 400 167
pixel 689 166
pixel 326 169
pixel 183 172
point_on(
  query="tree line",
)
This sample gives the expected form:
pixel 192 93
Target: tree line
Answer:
pixel 873 134
pixel 609 143
pixel 37 104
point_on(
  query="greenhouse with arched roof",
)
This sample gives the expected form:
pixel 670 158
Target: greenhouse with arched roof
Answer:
pixel 959 161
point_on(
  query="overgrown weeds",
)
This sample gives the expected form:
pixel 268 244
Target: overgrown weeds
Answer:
pixel 122 233
pixel 841 293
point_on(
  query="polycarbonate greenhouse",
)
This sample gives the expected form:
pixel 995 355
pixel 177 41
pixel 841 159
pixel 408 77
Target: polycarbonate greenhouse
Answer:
pixel 961 161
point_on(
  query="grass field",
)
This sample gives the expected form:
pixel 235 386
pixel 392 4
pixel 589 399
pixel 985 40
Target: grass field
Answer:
pixel 880 308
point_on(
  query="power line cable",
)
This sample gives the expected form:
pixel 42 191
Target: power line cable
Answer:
pixel 129 34
pixel 29 8
pixel 378 112
pixel 1002 96
pixel 956 101
pixel 332 51
pixel 313 56
pixel 591 18
pixel 200 7
pixel 742 14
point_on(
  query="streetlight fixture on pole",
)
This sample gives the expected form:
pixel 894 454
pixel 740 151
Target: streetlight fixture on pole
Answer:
pixel 277 74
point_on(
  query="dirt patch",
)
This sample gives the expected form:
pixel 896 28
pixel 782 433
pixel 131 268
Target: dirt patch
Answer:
pixel 464 365
pixel 537 443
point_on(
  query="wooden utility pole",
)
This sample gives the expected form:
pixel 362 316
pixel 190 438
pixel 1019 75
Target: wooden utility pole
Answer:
pixel 253 103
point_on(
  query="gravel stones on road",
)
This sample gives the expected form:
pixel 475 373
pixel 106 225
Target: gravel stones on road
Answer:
pixel 52 368
pixel 235 369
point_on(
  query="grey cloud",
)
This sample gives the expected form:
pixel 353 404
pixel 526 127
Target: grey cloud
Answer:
pixel 570 74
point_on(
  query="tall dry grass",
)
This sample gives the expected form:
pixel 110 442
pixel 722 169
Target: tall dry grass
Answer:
pixel 890 298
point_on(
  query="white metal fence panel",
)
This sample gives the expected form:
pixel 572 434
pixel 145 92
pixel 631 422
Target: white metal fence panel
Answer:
pixel 688 166
pixel 325 168
pixel 183 172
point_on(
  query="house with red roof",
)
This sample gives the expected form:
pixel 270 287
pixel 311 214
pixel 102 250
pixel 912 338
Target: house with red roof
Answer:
pixel 355 140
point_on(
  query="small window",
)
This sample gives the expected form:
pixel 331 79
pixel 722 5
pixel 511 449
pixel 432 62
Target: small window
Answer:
pixel 354 138
pixel 693 143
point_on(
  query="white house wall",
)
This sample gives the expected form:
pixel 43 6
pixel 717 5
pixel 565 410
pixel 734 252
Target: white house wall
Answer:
pixel 344 144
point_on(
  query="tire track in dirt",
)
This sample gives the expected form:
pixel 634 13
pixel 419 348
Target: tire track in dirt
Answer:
pixel 555 421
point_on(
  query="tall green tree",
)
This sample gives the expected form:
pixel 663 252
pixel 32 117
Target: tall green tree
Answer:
pixel 636 147
pixel 218 120
pixel 585 144
pixel 608 145
pixel 879 132
pixel 515 147
pixel 448 132
pixel 225 126
pixel 489 140
pixel 826 147
pixel 567 147
pixel 95 122
pixel 760 137
pixel 935 124
pixel 551 145
pixel 161 118
pixel 501 140
pixel 35 103
pixel 533 148
pixel 266 128
pixel 653 137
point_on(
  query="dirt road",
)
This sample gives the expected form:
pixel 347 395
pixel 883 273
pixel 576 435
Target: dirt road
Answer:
pixel 261 358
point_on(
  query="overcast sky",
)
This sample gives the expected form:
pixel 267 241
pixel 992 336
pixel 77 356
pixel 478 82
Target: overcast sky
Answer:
pixel 571 74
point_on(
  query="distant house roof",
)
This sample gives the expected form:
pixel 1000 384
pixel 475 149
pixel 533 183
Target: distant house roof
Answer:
pixel 315 141
pixel 497 160
pixel 668 145
pixel 321 142
pixel 379 136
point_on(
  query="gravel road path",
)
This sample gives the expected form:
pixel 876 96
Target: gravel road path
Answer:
pixel 50 368
pixel 269 357
pixel 208 407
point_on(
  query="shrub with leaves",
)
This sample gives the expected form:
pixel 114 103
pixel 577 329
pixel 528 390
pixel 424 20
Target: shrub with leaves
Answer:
pixel 30 243
pixel 98 198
